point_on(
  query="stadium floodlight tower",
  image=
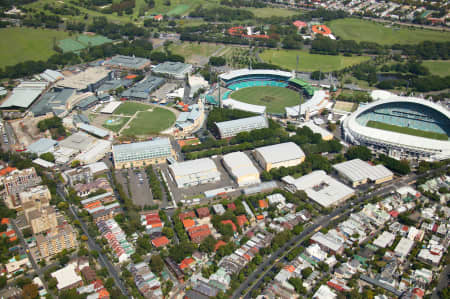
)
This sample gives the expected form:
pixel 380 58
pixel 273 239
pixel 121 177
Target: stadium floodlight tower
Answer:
pixel 300 105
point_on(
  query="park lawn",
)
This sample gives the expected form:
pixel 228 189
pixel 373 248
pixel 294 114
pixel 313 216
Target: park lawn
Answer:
pixel 287 59
pixel 273 97
pixel 187 49
pixel 150 122
pixel 177 7
pixel 130 108
pixel 118 123
pixel 363 30
pixel 405 130
pixel 438 67
pixel 19 44
pixel 267 12
pixel 345 106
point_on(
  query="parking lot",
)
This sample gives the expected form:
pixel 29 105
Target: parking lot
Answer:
pixel 135 182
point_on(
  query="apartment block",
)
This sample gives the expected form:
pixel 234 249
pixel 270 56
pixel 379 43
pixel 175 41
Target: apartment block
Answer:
pixel 56 240
pixel 42 220
pixel 18 181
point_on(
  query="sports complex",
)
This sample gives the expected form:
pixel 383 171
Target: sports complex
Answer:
pixel 402 127
pixel 272 91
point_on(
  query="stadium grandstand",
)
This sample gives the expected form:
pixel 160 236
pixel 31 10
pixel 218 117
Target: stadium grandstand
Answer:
pixel 244 78
pixel 402 127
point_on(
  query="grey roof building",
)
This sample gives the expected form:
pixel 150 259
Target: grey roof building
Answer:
pixel 128 62
pixel 231 128
pixel 24 94
pixel 173 69
pixel 114 84
pixel 54 101
pixel 139 153
pixel 87 102
pixel 93 130
pixel 142 90
pixel 42 146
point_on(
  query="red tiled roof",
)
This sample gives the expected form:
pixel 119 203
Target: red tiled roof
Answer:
pixel 161 241
pixel 299 24
pixel 188 214
pixel 6 170
pixel 290 268
pixel 419 292
pixel 219 244
pixel 259 217
pixel 394 214
pixel 5 221
pixel 187 223
pixel 187 262
pixel 203 212
pixel 199 233
pixel 241 220
pixel 263 204
pixel 231 206
pixel 229 222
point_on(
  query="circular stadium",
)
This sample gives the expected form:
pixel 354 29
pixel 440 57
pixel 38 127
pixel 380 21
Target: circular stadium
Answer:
pixel 260 91
pixel 402 127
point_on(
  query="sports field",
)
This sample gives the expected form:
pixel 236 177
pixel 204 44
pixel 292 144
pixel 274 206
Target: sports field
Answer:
pixel 267 12
pixel 150 122
pixel 438 67
pixel 19 44
pixel 309 62
pixel 189 50
pixel 274 98
pixel 362 30
pixel 115 123
pixel 405 130
pixel 345 106
pixel 130 108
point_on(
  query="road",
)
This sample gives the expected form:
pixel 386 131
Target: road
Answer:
pixel 253 281
pixel 93 246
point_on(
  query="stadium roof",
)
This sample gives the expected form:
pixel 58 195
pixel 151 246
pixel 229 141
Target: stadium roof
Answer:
pixel 234 104
pixel 358 131
pixel 246 72
pixel 24 94
pixel 321 187
pixel 280 152
pixel 358 170
pixel 316 103
pixel 93 130
pixel 128 62
pixel 233 127
pixel 155 148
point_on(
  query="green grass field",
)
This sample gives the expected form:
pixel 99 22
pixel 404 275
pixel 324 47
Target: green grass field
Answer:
pixel 309 62
pixel 188 50
pixel 274 98
pixel 150 122
pixel 116 123
pixel 362 30
pixel 405 130
pixel 438 67
pixel 267 12
pixel 22 44
pixel 130 108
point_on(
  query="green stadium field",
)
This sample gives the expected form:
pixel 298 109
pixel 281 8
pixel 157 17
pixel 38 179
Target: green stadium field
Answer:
pixel 274 98
pixel 115 123
pixel 150 122
pixel 362 30
pixel 21 44
pixel 130 108
pixel 309 62
pixel 405 130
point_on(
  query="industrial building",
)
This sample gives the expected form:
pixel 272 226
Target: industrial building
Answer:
pixel 54 101
pixel 230 128
pixel 241 168
pixel 114 84
pixel 177 70
pixel 51 76
pixel 93 130
pixel 194 172
pixel 279 155
pixel 141 90
pixel 96 152
pixel 87 80
pixel 41 146
pixel 358 172
pixel 23 95
pixel 403 247
pixel 110 107
pixel 384 240
pixel 320 187
pixel 127 62
pixel 142 153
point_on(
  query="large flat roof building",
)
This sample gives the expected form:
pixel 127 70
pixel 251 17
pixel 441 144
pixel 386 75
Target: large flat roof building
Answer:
pixel 128 62
pixel 231 128
pixel 24 94
pixel 320 187
pixel 141 90
pixel 142 153
pixel 177 70
pixel 279 155
pixel 404 247
pixel 41 146
pixel 358 172
pixel 241 168
pixel 78 141
pixel 194 172
pixel 87 80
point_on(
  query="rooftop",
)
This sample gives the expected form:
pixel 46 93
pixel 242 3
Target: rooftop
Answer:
pixel 93 130
pixel 128 62
pixel 24 94
pixel 358 170
pixel 173 68
pixel 84 78
pixel 41 146
pixel 158 147
pixel 66 276
pixel 281 152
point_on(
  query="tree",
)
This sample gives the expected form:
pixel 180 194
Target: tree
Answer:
pixel 297 283
pixel 47 157
pixel 75 163
pixel 156 264
pixel 168 232
pixel 359 152
pixel 2 281
pixel 306 272
pixel 208 244
pixel 30 291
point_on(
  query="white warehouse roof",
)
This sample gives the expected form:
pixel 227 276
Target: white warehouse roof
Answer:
pixel 159 147
pixel 231 128
pixel 242 168
pixel 194 172
pixel 24 94
pixel 384 239
pixel 280 152
pixel 321 188
pixel 238 105
pixel 358 170
pixel 110 107
pixel 404 247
